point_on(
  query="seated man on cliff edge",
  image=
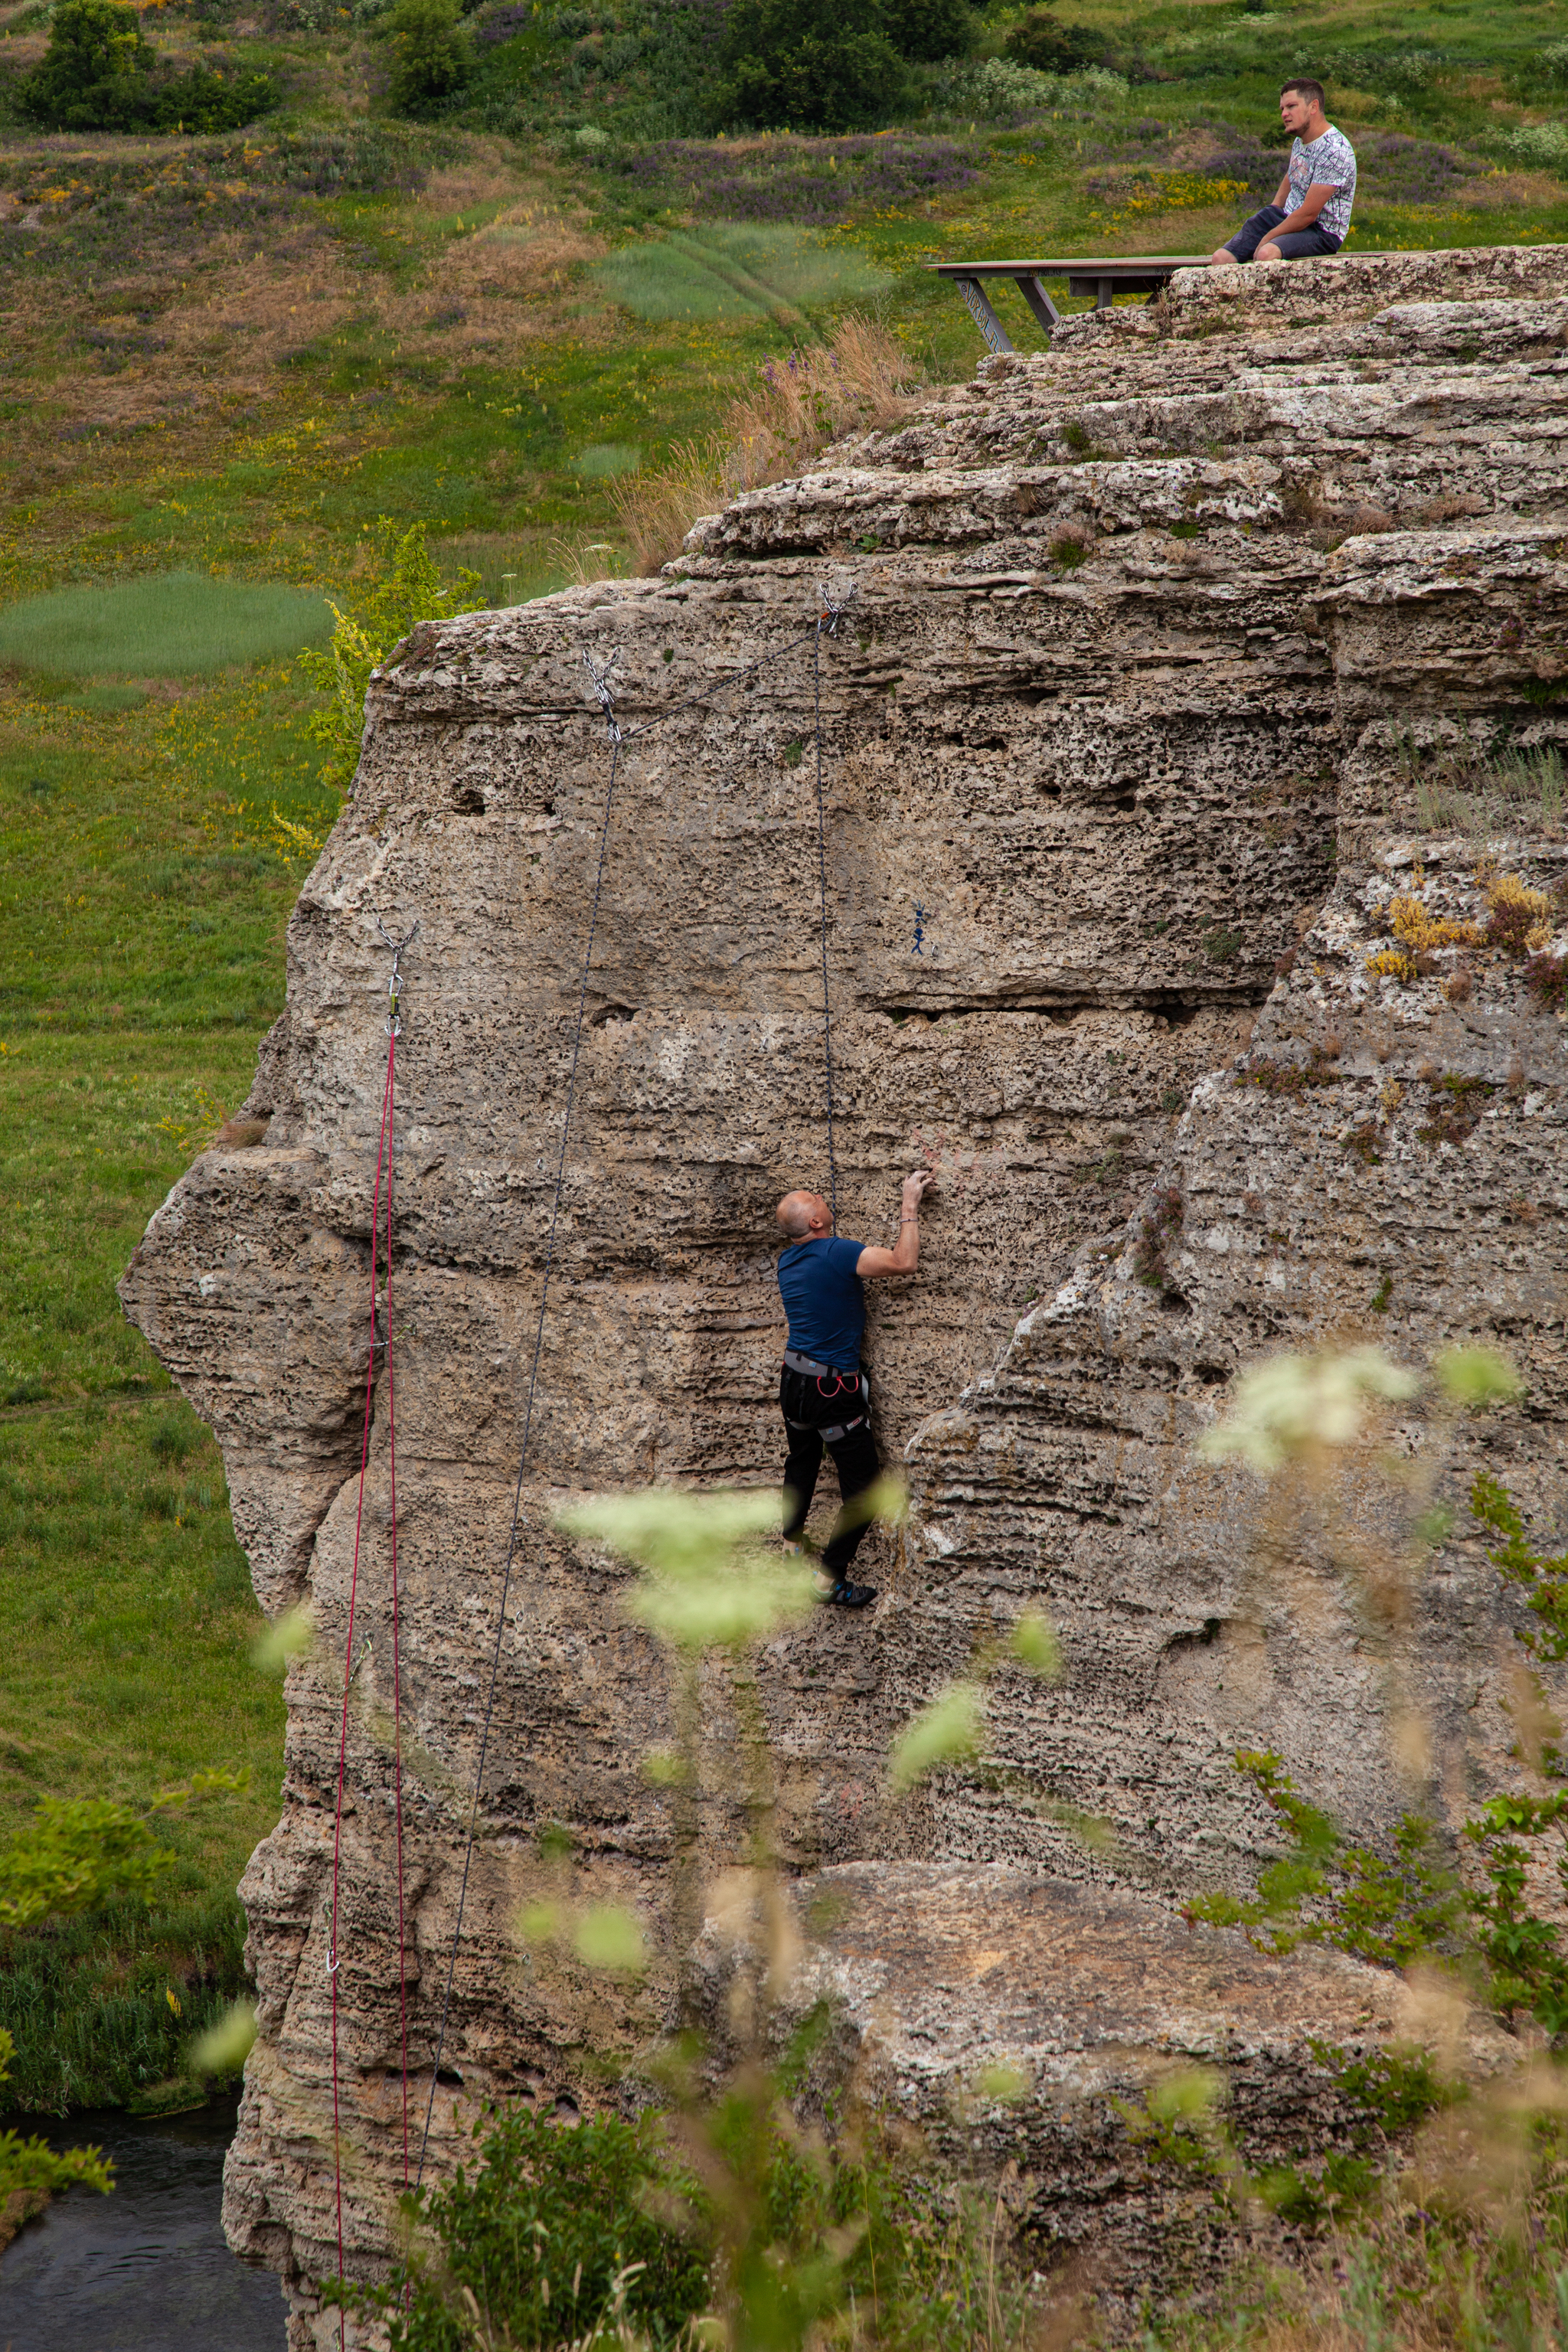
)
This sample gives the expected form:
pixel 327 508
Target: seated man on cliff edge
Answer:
pixel 1311 209
pixel 824 1395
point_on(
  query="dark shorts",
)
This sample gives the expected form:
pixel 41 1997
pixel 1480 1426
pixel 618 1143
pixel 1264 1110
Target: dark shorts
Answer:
pixel 1299 246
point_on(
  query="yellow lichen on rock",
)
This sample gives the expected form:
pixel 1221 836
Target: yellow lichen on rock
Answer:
pixel 1420 930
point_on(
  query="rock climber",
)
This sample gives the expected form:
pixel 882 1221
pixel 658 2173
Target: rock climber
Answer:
pixel 824 1395
pixel 1311 209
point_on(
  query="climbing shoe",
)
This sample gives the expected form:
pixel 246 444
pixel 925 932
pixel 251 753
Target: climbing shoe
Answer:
pixel 844 1595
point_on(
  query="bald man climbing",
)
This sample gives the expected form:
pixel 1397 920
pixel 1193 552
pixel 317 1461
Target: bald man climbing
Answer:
pixel 824 1395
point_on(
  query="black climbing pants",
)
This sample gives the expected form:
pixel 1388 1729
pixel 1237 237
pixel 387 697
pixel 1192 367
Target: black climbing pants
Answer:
pixel 808 1414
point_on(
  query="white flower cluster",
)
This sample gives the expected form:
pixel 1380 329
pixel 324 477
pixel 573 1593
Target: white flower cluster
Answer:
pixel 1541 143
pixel 998 88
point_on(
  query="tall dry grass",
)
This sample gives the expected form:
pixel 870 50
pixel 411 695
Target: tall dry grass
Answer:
pixel 860 380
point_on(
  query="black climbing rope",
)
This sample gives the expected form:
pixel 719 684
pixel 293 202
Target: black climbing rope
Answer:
pixel 822 887
pixel 826 622
pixel 600 679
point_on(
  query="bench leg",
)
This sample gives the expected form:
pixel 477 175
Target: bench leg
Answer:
pixel 983 315
pixel 1105 294
pixel 1046 313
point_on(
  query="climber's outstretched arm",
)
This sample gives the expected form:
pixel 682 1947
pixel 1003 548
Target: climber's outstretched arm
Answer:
pixel 873 1261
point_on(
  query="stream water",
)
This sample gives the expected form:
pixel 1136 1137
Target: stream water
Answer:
pixel 144 2270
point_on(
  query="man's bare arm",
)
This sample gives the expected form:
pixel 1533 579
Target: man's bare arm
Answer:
pixel 873 1261
pixel 1282 192
pixel 1306 212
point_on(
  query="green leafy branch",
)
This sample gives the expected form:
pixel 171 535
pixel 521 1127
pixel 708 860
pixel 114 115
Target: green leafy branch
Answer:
pixel 1524 1953
pixel 1544 1582
pixel 80 1853
pixel 1389 1912
pixel 32 2169
pixel 405 588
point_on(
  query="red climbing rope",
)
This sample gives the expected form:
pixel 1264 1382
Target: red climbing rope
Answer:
pixel 384 1163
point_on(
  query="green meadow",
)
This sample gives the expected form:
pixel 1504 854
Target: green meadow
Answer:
pixel 229 358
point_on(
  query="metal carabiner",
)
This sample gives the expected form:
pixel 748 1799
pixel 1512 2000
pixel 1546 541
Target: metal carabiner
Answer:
pixel 601 689
pixel 395 981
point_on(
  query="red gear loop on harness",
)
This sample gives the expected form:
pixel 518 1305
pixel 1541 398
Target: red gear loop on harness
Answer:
pixel 844 1384
pixel 383 1159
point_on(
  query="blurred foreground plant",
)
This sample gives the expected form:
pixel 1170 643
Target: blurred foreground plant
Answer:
pixel 1313 1415
pixel 724 2220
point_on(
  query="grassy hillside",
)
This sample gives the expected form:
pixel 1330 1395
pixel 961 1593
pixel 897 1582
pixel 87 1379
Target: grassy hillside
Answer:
pixel 225 359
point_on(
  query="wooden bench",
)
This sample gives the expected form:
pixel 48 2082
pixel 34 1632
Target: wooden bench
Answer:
pixel 1085 273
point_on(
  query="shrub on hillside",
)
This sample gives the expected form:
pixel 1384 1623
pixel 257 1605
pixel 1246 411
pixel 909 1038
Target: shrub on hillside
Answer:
pixel 1544 144
pixel 806 65
pixel 1001 90
pixel 202 101
pixel 100 73
pixel 95 72
pixel 1040 41
pixel 433 53
pixel 926 30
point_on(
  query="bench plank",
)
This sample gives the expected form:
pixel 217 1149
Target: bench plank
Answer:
pixel 1104 277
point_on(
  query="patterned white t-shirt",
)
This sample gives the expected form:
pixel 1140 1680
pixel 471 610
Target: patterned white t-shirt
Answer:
pixel 1332 160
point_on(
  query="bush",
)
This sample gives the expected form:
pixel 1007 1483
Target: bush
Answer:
pixel 404 589
pixel 100 73
pixel 1544 144
pixel 1000 90
pixel 200 101
pixel 432 51
pixel 94 74
pixel 540 2234
pixel 926 30
pixel 806 65
pixel 1046 46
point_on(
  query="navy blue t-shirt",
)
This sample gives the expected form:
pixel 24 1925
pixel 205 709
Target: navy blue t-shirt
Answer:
pixel 824 1301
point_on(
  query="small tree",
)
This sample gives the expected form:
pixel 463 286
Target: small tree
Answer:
pixel 93 74
pixel 929 29
pixel 807 65
pixel 432 56
pixel 100 73
pixel 1042 42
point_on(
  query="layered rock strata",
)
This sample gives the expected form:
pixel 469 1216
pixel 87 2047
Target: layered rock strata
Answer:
pixel 1164 652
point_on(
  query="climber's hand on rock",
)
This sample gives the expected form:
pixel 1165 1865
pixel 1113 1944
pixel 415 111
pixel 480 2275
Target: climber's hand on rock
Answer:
pixel 916 1187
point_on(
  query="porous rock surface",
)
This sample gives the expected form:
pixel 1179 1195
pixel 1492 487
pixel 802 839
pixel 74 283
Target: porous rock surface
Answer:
pixel 1135 724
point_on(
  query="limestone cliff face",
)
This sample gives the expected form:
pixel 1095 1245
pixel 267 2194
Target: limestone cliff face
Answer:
pixel 1130 733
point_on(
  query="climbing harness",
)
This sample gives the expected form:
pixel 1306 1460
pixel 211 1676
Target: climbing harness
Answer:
pixel 383 1161
pixel 854 1386
pixel 831 612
